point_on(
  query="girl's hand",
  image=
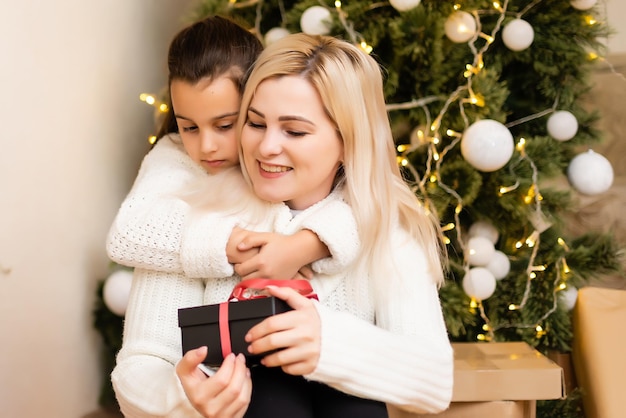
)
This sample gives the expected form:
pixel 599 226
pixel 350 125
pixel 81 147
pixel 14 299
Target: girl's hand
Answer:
pixel 224 395
pixel 278 256
pixel 234 254
pixel 297 334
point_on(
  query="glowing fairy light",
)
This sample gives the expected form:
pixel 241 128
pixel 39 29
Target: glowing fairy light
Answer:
pixel 448 227
pixel 590 20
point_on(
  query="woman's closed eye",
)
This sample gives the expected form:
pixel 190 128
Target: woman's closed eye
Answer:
pixel 295 133
pixel 255 125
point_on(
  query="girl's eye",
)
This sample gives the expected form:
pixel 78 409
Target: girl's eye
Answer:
pixel 189 128
pixel 226 126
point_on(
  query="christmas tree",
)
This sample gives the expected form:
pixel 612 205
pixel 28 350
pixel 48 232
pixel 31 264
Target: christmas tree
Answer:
pixel 486 103
pixel 485 100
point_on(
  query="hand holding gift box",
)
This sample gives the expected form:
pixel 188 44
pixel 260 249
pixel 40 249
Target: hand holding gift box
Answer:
pixel 222 327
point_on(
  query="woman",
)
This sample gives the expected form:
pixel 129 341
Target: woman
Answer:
pixel 316 121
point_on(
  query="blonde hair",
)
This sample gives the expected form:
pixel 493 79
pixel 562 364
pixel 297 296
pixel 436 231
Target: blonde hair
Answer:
pixel 349 83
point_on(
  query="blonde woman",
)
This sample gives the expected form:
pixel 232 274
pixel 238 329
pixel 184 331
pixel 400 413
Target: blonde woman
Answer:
pixel 315 124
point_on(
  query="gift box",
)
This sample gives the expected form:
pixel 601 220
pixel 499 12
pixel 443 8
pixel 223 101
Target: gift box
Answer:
pixel 201 326
pixel 500 379
pixel 598 350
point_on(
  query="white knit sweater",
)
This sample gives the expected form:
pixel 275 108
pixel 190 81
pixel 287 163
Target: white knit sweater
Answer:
pixel 405 359
pixel 171 247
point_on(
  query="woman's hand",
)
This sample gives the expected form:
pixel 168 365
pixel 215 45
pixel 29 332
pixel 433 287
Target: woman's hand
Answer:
pixel 224 395
pixel 297 334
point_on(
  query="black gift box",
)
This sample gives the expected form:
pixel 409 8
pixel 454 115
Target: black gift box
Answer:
pixel 199 326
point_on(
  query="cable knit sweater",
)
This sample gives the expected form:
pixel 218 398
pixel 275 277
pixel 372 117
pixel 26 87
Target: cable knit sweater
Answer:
pixel 391 347
pixel 171 247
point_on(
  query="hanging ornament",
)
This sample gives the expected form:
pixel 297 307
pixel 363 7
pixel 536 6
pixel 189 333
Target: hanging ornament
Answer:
pixel 116 290
pixel 460 27
pixel 499 265
pixel 487 145
pixel 316 20
pixel 562 125
pixel 479 283
pixel 479 251
pixel 517 35
pixel 404 5
pixel 590 173
pixel 568 297
pixel 583 4
pixel 274 35
pixel 484 229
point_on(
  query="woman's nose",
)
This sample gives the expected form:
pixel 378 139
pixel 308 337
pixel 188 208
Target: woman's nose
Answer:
pixel 271 144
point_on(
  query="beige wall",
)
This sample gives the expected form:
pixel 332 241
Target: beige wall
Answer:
pixel 615 11
pixel 73 133
pixel 72 136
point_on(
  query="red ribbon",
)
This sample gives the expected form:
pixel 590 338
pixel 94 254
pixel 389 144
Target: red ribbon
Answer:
pixel 255 289
pixel 224 330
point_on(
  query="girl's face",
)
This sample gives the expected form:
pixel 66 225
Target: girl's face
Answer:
pixel 206 113
pixel 290 146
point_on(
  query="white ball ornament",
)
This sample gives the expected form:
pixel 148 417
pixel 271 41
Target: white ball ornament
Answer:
pixel 116 290
pixel 487 145
pixel 583 4
pixel 484 229
pixel 480 250
pixel 275 34
pixel 479 283
pixel 517 35
pixel 404 5
pixel 562 125
pixel 590 173
pixel 499 265
pixel 460 27
pixel 316 20
pixel 569 297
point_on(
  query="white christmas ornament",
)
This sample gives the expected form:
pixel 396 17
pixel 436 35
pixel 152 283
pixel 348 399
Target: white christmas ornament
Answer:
pixel 479 251
pixel 479 283
pixel 590 173
pixel 583 4
pixel 116 290
pixel 562 125
pixel 517 35
pixel 460 27
pixel 316 20
pixel 484 229
pixel 404 5
pixel 275 34
pixel 499 265
pixel 568 297
pixel 487 145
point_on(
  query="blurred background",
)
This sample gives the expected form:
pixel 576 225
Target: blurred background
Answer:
pixel 74 134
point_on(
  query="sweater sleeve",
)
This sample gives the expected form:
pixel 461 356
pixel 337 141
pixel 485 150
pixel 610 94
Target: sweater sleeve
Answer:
pixel 332 220
pixel 144 377
pixel 406 359
pixel 150 225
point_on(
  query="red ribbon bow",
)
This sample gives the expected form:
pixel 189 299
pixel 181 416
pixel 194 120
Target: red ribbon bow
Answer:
pixel 255 289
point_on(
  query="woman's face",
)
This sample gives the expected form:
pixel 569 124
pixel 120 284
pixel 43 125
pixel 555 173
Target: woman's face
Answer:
pixel 206 114
pixel 290 146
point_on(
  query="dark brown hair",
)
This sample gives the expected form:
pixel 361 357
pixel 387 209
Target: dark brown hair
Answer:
pixel 209 48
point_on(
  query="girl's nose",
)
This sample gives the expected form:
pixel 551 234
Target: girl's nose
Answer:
pixel 207 143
